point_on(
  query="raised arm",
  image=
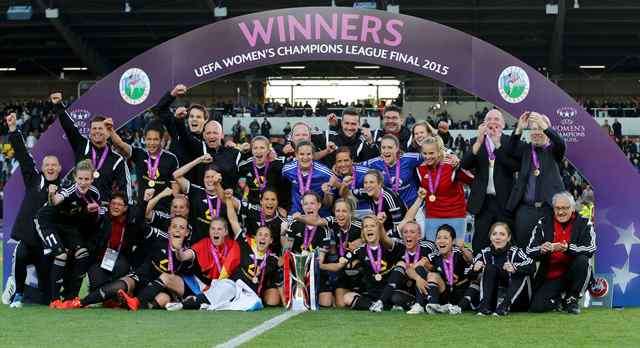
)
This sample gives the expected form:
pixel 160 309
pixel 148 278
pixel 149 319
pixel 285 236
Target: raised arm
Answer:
pixel 155 200
pixel 232 216
pixel 27 165
pixel 413 210
pixel 121 146
pixel 73 134
pixel 179 174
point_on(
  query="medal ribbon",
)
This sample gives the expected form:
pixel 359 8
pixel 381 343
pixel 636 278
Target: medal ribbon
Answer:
pixel 302 186
pixel 434 186
pixel 376 264
pixel 152 169
pixel 261 184
pixel 103 157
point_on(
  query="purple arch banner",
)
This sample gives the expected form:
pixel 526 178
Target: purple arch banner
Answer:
pixel 375 37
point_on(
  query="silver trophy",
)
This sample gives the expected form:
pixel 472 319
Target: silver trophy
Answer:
pixel 300 281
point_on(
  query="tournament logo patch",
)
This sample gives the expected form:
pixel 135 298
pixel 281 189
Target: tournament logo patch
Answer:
pixel 513 84
pixel 134 86
pixel 599 288
pixel 80 118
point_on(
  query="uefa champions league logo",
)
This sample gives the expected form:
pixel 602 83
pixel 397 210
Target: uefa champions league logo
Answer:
pixel 134 86
pixel 513 84
pixel 599 288
pixel 80 118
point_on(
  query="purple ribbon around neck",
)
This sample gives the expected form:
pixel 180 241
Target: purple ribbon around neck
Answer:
pixel 152 169
pixel 380 201
pixel 342 236
pixel 309 233
pixel 376 263
pixel 434 186
pixel 103 157
pixel 259 270
pixel 396 182
pixel 488 144
pixel 261 184
pixel 534 155
pixel 170 254
pixel 411 260
pixel 354 177
pixel 216 255
pixel 302 186
pixel 447 264
pixel 216 213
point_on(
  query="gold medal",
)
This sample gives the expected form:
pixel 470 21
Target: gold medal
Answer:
pixel 96 174
pixel 432 198
pixel 377 277
pixel 152 183
pixel 492 163
pixel 536 172
pixel 343 260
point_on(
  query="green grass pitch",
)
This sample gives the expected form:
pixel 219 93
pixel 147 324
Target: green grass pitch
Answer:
pixel 35 326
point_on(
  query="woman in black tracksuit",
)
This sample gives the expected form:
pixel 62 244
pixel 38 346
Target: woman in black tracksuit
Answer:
pixel 504 270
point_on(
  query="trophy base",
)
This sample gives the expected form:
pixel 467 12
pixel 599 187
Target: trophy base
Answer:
pixel 298 305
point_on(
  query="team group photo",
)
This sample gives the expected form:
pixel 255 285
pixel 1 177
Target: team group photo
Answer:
pixel 356 173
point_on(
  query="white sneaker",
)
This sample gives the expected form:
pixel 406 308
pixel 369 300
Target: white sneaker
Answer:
pixel 397 309
pixel 16 304
pixel 453 309
pixel 433 308
pixel 173 306
pixel 376 307
pixel 416 309
pixel 9 290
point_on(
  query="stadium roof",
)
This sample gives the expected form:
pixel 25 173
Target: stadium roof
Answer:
pixel 99 34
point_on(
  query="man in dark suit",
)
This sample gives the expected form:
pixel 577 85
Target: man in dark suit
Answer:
pixel 539 174
pixel 493 170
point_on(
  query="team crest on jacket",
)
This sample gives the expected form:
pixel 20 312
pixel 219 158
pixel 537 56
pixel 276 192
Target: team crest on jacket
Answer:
pixel 134 86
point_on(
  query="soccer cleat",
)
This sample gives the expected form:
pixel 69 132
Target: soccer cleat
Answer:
pixel 571 305
pixel 376 307
pixel 72 304
pixel 17 301
pixel 9 290
pixel 416 309
pixel 132 302
pixel 453 309
pixel 173 306
pixel 56 304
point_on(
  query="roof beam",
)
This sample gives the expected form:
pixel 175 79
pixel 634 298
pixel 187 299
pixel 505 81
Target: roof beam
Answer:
pixel 87 54
pixel 555 58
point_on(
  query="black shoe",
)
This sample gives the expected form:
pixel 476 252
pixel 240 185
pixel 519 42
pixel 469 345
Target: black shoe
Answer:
pixel 503 309
pixel 571 305
pixel 465 304
pixel 484 311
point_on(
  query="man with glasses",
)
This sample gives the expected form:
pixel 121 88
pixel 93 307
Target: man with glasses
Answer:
pixel 563 242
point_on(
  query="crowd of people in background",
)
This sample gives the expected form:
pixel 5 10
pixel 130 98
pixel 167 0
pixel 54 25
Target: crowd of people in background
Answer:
pixel 34 118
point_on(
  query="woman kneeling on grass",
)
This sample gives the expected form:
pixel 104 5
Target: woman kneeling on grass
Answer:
pixel 448 283
pixel 378 258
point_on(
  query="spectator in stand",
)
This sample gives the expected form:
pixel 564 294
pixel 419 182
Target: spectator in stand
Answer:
pixel 443 132
pixel 617 129
pixel 266 128
pixel 254 128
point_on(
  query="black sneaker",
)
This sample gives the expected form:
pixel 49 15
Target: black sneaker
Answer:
pixel 503 309
pixel 484 311
pixel 465 304
pixel 571 305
